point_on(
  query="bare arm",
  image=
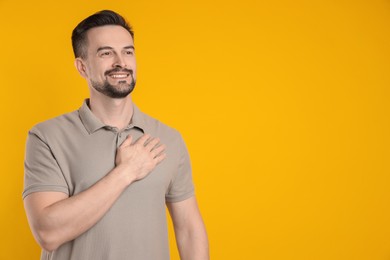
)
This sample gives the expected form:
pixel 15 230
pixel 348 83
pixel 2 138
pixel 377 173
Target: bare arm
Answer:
pixel 55 218
pixel 191 236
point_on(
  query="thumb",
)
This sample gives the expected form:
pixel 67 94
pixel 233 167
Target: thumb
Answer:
pixel 127 142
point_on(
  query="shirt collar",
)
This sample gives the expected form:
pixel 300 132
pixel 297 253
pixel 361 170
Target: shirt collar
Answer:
pixel 138 120
pixel 92 123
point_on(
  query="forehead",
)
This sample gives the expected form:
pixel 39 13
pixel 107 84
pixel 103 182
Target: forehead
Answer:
pixel 114 36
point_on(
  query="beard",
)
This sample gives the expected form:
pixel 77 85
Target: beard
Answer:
pixel 121 90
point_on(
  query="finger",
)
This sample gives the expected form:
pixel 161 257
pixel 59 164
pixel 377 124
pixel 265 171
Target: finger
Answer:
pixel 127 141
pixel 159 149
pixel 143 139
pixel 152 143
pixel 160 158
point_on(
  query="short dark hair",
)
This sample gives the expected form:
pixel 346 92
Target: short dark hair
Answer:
pixel 104 17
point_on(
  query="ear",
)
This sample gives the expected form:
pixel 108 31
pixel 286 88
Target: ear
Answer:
pixel 81 67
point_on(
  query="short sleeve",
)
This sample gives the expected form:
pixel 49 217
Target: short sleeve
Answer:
pixel 41 170
pixel 181 187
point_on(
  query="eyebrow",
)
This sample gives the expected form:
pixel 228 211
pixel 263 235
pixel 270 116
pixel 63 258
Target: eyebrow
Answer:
pixel 110 48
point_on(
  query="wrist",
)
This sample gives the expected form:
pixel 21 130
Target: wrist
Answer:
pixel 124 173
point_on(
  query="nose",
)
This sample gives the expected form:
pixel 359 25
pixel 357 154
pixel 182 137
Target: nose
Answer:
pixel 119 62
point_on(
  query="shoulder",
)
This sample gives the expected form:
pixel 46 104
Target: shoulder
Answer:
pixel 168 135
pixel 56 126
pixel 154 126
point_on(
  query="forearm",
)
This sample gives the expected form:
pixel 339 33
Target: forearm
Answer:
pixel 68 218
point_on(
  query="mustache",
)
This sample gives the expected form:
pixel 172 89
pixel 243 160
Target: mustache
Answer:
pixel 119 70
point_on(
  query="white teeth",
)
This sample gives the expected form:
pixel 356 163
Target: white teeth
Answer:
pixel 119 76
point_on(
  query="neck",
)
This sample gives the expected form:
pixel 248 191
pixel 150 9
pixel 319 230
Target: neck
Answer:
pixel 112 112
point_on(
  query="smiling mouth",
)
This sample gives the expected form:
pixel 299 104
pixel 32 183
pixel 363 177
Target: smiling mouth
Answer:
pixel 119 73
pixel 118 76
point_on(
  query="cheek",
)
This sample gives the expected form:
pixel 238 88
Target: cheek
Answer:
pixel 134 67
pixel 96 73
pixel 133 63
pixel 96 68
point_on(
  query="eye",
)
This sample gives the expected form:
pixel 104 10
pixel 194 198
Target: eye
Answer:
pixel 129 52
pixel 106 54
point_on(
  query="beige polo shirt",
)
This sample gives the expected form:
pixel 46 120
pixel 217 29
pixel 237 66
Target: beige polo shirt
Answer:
pixel 72 152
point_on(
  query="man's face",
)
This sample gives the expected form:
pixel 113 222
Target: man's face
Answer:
pixel 110 66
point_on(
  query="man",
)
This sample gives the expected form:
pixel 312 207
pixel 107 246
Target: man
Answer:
pixel 97 180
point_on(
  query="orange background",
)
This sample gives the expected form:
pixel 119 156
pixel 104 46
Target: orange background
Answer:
pixel 284 106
